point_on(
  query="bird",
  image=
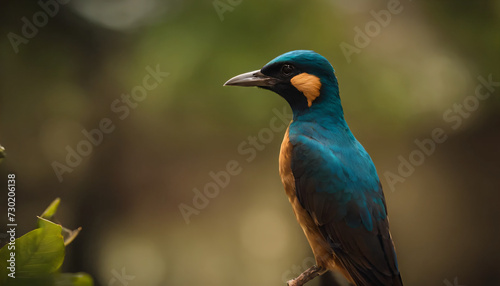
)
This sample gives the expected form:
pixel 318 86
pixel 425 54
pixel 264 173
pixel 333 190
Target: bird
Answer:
pixel 328 177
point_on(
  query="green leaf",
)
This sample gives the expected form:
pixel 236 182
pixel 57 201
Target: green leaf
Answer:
pixel 38 253
pixel 73 279
pixel 70 235
pixel 55 279
pixel 50 211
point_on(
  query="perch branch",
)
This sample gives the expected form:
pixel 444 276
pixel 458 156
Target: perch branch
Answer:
pixel 306 276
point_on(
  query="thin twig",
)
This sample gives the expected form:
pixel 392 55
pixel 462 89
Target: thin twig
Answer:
pixel 306 276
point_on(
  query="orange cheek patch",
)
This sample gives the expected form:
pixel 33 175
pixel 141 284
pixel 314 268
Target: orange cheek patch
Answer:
pixel 308 84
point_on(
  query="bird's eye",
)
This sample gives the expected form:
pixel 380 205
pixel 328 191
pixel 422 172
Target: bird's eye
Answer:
pixel 287 69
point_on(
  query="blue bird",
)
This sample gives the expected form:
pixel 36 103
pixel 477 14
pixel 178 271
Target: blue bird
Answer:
pixel 329 178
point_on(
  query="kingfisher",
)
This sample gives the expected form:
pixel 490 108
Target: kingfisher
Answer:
pixel 329 178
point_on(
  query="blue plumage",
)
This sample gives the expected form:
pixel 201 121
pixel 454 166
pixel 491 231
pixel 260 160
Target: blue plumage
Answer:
pixel 329 178
pixel 339 165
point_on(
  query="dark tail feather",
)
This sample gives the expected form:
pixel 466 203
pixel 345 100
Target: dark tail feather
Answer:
pixel 398 281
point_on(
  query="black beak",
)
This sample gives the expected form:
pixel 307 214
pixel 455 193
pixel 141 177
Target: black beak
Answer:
pixel 254 78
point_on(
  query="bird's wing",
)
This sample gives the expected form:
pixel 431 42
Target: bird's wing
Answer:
pixel 341 191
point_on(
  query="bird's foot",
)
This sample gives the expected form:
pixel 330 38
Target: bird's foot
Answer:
pixel 306 276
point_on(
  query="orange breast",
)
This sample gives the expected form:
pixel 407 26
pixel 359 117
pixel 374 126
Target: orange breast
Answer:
pixel 322 251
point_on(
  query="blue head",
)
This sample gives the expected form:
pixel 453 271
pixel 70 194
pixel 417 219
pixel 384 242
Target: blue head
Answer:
pixel 305 79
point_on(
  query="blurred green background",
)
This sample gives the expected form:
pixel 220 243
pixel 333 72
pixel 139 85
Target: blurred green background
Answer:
pixel 126 193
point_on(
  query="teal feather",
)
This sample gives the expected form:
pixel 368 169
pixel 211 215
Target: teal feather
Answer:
pixel 329 177
pixel 335 178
